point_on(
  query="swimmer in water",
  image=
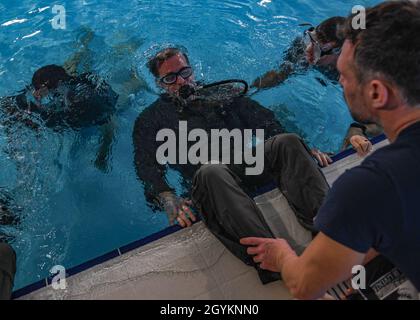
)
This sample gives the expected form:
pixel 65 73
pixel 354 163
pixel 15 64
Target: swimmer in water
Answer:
pixel 182 101
pixel 319 48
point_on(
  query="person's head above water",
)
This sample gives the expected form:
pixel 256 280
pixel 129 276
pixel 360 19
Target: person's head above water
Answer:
pixel 323 43
pixel 380 66
pixel 48 78
pixel 172 70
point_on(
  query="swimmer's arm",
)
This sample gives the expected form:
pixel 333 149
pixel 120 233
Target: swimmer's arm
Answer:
pixel 358 137
pixel 129 88
pixel 373 130
pixel 82 55
pixel 274 78
pixel 177 209
pixel 107 137
pixel 292 57
pixel 354 130
pixel 149 171
pixel 364 130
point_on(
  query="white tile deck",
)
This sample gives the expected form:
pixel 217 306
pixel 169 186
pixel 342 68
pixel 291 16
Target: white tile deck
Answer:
pixel 190 264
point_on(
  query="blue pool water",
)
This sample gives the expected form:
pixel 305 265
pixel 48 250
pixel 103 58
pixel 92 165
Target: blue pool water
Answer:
pixel 71 211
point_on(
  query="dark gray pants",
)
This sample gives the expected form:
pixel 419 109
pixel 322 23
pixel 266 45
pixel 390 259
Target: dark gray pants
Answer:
pixel 7 270
pixel 231 214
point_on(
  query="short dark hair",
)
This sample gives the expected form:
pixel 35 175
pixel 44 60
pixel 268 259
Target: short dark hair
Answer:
pixel 327 31
pixel 49 76
pixel 389 45
pixel 163 55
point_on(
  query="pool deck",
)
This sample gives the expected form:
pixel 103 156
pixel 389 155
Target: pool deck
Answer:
pixel 186 265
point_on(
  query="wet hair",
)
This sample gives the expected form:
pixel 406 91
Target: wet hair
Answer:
pixel 389 46
pixel 49 76
pixel 327 31
pixel 163 55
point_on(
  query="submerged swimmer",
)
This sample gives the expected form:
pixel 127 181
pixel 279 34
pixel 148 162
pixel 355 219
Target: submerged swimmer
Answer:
pixel 63 101
pixel 319 48
pixel 74 97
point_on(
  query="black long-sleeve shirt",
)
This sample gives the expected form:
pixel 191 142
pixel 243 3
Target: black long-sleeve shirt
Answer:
pixel 241 113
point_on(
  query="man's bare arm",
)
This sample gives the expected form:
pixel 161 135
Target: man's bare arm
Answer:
pixel 322 265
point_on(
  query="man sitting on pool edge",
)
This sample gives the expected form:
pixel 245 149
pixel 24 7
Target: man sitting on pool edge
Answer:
pixel 288 154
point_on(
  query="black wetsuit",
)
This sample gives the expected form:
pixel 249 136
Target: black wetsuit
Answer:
pixel 241 113
pixel 90 101
pixel 296 54
pixel 294 62
pixel 222 194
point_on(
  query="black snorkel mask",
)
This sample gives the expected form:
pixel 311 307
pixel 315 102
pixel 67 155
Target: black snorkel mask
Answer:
pixel 310 37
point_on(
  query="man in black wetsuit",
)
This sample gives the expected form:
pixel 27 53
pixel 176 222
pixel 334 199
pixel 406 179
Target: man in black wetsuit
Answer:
pixel 287 160
pixel 63 101
pixel 58 101
pixel 320 48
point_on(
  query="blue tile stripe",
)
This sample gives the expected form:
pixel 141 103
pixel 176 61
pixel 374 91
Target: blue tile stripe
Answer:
pixel 156 236
pixel 28 289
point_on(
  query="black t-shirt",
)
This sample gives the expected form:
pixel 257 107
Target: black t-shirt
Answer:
pixel 377 205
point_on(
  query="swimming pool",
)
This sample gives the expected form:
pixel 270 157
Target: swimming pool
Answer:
pixel 71 211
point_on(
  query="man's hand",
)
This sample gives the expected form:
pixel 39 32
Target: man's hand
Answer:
pixel 270 253
pixel 177 209
pixel 323 159
pixel 361 144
